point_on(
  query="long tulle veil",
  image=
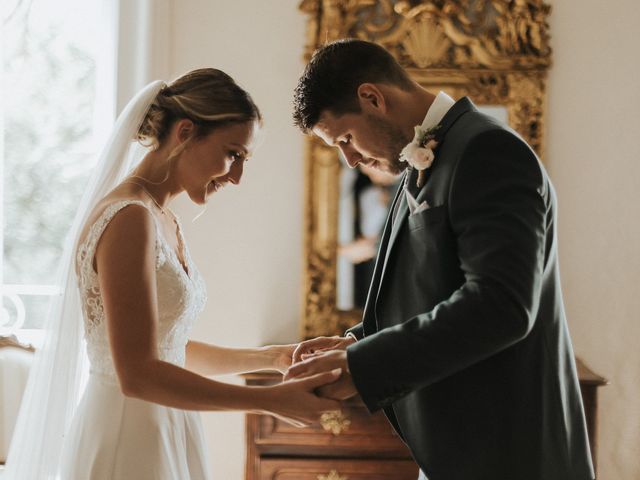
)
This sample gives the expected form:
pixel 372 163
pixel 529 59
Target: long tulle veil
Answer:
pixel 59 370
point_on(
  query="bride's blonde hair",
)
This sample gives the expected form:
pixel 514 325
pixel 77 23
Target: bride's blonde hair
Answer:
pixel 208 97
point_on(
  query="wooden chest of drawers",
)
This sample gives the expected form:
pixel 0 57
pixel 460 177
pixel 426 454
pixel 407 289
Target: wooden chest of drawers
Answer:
pixel 351 446
pixel 294 469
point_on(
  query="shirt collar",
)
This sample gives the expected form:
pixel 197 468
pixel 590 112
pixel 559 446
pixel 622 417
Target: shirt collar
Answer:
pixel 437 110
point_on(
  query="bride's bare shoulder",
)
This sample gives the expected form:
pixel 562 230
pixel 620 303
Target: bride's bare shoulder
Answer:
pixel 116 196
pixel 130 227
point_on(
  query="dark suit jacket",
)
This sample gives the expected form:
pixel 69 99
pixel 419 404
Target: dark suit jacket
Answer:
pixel 464 341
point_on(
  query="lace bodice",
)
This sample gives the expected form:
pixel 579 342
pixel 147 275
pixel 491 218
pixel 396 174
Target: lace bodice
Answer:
pixel 181 297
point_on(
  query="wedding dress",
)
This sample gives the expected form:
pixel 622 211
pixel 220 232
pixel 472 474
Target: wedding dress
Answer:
pixel 69 428
pixel 117 437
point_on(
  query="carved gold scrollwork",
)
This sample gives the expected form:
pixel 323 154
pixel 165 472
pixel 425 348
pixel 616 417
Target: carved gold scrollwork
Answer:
pixel 526 106
pixel 426 31
pixel 335 422
pixel 495 51
pixel 332 475
pixel 522 28
pixel 483 33
pixel 310 8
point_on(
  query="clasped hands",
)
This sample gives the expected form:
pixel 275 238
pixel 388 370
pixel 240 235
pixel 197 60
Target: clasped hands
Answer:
pixel 324 354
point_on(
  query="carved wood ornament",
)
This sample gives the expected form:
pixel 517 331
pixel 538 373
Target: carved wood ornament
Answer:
pixel 495 51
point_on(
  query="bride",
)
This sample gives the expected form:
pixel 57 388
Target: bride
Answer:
pixel 134 291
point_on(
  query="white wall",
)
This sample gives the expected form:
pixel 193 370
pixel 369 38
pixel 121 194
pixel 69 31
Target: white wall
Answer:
pixel 594 159
pixel 249 242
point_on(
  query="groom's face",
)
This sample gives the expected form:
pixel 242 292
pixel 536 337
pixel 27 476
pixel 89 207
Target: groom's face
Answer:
pixel 364 139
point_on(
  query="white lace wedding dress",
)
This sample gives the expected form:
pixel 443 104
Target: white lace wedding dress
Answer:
pixel 114 437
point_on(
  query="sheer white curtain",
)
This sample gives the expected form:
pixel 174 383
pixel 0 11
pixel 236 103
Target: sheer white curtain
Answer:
pixel 143 45
pixel 135 49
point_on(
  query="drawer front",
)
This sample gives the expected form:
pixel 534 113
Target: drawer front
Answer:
pixel 352 433
pixel 294 469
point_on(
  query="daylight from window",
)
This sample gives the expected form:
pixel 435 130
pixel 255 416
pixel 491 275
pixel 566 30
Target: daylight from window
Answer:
pixel 49 145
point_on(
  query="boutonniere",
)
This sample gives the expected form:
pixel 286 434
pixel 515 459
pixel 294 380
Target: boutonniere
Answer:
pixel 419 153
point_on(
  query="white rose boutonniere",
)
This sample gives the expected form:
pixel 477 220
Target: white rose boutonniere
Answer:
pixel 419 153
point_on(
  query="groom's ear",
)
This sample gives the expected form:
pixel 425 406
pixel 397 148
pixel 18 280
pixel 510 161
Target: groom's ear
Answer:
pixel 371 98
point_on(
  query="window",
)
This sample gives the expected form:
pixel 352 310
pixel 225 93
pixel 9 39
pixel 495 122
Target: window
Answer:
pixel 53 97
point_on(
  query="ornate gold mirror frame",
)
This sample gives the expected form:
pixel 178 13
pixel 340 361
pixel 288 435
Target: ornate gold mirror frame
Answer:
pixel 495 51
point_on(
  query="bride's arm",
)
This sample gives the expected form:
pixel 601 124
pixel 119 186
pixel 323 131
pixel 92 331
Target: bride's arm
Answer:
pixel 125 260
pixel 207 359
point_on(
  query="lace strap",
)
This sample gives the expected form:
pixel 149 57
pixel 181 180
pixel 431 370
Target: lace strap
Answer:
pixel 87 250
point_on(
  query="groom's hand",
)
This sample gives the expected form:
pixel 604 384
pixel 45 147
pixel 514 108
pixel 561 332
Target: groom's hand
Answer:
pixel 341 389
pixel 315 346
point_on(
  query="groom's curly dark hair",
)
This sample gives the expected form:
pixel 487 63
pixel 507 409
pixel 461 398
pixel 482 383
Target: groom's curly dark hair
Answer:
pixel 331 79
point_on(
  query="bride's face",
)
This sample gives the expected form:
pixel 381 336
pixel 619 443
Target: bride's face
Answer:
pixel 210 163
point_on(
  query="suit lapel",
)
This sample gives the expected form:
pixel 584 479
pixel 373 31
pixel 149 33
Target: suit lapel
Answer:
pixel 375 280
pixel 397 223
pixel 461 107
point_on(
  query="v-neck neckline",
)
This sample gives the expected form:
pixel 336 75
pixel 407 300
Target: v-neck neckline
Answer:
pixel 183 263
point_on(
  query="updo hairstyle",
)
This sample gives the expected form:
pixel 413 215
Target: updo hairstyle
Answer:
pixel 208 97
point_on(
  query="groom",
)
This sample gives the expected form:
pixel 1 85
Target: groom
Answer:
pixel 464 341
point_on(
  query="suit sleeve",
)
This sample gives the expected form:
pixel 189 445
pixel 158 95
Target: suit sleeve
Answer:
pixel 497 211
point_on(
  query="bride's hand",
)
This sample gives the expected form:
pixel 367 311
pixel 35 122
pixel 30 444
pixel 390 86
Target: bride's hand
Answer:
pixel 281 356
pixel 295 401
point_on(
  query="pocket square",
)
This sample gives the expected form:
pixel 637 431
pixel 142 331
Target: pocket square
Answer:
pixel 421 208
pixel 414 206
